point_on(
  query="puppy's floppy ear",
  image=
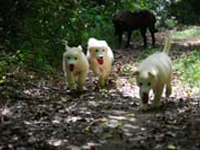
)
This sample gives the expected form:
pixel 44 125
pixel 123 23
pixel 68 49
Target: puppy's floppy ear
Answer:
pixel 106 44
pixel 90 49
pixel 152 74
pixel 136 73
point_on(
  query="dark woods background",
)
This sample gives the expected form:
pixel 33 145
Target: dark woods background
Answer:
pixel 31 30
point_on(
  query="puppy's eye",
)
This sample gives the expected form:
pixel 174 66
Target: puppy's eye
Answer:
pixel 75 58
pixel 68 58
pixel 149 84
pixel 97 51
pixel 103 50
pixel 140 84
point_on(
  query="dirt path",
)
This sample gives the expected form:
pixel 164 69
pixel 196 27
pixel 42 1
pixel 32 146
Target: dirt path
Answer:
pixel 40 114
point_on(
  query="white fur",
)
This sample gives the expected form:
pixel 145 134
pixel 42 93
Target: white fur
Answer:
pixel 154 73
pixel 100 49
pixel 77 77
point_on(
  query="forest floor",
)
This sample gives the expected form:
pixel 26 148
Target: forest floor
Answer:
pixel 39 114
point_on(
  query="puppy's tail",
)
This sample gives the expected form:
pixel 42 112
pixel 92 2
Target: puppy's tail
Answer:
pixel 168 42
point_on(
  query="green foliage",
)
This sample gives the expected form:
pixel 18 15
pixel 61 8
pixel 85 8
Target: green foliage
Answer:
pixel 185 11
pixel 172 22
pixel 9 63
pixel 35 29
pixel 189 32
pixel 188 68
pixel 44 24
pixel 3 66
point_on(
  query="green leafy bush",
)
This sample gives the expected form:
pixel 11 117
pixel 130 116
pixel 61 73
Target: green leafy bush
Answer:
pixel 37 28
pixel 189 32
pixel 188 68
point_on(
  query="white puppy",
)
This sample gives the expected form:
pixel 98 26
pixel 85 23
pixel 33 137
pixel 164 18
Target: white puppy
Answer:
pixel 75 67
pixel 154 73
pixel 100 57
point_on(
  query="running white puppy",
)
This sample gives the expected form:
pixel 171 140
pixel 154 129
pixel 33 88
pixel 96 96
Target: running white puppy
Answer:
pixel 100 57
pixel 154 73
pixel 75 67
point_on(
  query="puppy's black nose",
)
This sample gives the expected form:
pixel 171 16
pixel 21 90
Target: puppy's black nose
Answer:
pixel 100 57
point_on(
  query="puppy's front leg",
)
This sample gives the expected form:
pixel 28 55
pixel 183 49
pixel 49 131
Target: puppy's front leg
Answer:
pixel 71 81
pixel 168 88
pixel 157 96
pixel 101 81
pixel 81 80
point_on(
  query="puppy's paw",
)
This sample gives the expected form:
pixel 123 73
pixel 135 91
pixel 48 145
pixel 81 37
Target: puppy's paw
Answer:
pixel 82 88
pixel 155 106
pixel 72 87
pixel 101 83
pixel 144 107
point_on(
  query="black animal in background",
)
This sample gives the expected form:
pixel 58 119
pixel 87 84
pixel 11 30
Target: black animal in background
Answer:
pixel 127 21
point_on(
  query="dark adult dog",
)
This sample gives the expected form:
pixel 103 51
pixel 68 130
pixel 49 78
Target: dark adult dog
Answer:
pixel 127 21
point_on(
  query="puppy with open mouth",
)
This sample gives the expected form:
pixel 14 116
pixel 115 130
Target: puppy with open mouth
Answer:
pixel 75 67
pixel 154 73
pixel 100 57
